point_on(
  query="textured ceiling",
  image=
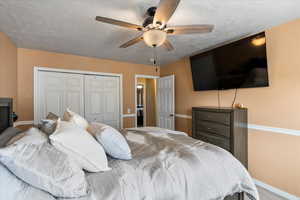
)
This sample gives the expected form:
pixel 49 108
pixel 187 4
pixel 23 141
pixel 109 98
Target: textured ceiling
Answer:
pixel 68 26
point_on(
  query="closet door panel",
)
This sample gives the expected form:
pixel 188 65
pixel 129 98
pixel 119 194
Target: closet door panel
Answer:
pixel 102 99
pixel 51 94
pixel 74 93
pixel 53 102
pixel 58 91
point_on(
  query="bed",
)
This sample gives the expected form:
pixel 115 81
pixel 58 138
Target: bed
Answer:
pixel 169 165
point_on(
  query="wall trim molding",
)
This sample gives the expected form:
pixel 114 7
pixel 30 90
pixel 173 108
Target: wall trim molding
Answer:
pixel 22 123
pixel 259 127
pixel 274 129
pixel 128 115
pixel 275 190
pixel 183 116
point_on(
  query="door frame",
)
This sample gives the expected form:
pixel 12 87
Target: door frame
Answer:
pixel 36 82
pixel 135 93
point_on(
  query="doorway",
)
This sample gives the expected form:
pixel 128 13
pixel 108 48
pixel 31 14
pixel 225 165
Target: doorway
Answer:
pixel 146 111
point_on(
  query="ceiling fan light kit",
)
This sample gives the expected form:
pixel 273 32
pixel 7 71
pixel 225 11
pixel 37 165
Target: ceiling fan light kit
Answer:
pixel 155 38
pixel 155 29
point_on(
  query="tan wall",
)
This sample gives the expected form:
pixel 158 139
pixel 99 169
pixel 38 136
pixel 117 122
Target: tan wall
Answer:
pixel 28 59
pixel 273 158
pixel 8 68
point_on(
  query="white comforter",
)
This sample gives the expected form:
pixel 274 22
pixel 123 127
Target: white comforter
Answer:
pixel 166 165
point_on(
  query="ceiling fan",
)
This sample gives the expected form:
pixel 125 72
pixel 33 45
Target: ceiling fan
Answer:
pixel 154 30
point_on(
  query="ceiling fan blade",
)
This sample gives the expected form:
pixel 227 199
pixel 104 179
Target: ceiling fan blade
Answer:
pixel 132 42
pixel 164 11
pixel 167 45
pixel 119 23
pixel 190 29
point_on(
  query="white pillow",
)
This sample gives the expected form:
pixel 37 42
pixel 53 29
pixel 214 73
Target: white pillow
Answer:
pixel 41 165
pixel 75 118
pixel 80 146
pixel 112 141
pixel 31 136
pixel 12 188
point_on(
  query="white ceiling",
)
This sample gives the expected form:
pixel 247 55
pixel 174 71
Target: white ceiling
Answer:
pixel 68 26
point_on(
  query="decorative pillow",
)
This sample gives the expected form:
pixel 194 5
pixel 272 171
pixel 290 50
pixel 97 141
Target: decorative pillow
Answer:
pixel 52 116
pixel 112 141
pixel 79 145
pixel 33 136
pixel 7 134
pixel 43 166
pixel 12 188
pixel 71 116
pixel 48 125
pixel 15 138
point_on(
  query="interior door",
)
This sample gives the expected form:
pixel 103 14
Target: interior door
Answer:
pixel 102 99
pixel 59 91
pixel 166 102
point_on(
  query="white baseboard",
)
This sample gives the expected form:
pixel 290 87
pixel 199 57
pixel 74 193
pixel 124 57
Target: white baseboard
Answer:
pixel 22 123
pixel 276 191
pixel 128 115
pixel 183 116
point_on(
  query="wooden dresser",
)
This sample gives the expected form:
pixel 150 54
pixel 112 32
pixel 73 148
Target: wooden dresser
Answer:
pixel 224 127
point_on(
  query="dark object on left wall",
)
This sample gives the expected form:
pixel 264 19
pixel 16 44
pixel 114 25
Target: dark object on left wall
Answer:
pixel 6 113
pixel 15 117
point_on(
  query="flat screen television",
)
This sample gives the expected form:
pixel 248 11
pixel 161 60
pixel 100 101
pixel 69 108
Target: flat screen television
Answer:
pixel 241 64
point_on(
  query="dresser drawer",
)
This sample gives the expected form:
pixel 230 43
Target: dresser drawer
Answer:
pixel 216 140
pixel 212 127
pixel 218 117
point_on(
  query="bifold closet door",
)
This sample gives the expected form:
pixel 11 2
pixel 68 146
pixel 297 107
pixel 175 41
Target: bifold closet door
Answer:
pixel 102 99
pixel 58 91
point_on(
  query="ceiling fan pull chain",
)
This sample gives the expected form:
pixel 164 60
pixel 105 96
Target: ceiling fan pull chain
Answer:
pixel 155 59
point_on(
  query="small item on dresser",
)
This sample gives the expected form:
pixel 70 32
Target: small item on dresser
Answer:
pixel 71 116
pixel 36 162
pixel 79 145
pixel 239 105
pixel 112 141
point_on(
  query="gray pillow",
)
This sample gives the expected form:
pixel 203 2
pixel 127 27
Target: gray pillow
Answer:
pixel 52 116
pixel 113 142
pixel 12 188
pixel 7 134
pixel 49 124
pixel 43 166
